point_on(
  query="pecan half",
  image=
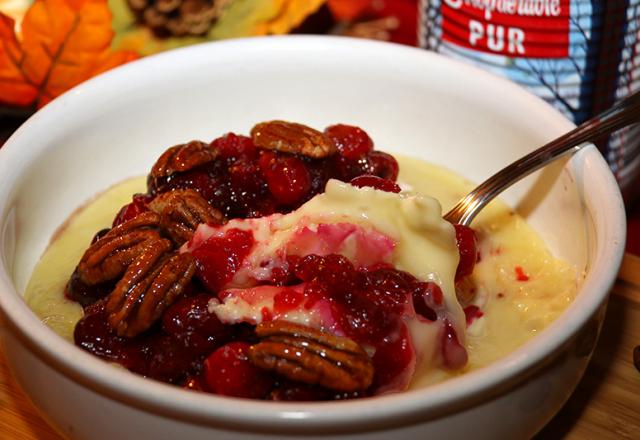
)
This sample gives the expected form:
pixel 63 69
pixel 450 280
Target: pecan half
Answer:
pixel 304 354
pixel 183 157
pixel 109 257
pixel 290 137
pixel 150 285
pixel 181 211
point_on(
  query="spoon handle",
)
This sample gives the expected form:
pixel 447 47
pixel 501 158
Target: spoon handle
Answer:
pixel 623 113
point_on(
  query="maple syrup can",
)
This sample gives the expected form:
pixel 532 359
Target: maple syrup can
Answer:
pixel 579 55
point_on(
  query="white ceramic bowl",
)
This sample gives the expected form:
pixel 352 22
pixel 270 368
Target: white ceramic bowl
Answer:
pixel 411 102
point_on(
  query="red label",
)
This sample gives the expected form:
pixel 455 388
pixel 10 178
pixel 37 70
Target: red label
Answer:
pixel 516 28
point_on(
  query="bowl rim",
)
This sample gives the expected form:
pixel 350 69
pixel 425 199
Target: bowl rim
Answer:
pixel 247 415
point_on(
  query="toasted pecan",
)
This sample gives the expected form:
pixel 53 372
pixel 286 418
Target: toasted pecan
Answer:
pixel 181 211
pixel 183 157
pixel 308 355
pixel 150 285
pixel 290 137
pixel 109 257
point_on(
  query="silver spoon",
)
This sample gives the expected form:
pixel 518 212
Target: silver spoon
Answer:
pixel 623 113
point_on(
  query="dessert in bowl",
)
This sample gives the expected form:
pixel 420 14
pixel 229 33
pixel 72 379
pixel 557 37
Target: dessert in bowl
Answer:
pixel 290 265
pixel 412 107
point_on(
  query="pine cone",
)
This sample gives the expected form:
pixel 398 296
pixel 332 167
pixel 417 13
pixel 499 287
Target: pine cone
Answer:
pixel 178 18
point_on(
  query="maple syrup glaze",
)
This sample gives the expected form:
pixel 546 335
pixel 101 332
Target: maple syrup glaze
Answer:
pixel 518 288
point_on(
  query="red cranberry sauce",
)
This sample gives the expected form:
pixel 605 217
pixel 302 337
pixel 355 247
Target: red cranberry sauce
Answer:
pixel 228 371
pixel 352 142
pixel 368 304
pixel 248 182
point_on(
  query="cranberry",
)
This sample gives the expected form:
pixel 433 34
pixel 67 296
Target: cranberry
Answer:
pixel 454 355
pixel 84 294
pixel 316 291
pixel 427 297
pixel 287 177
pixel 375 182
pixel 93 334
pixel 308 267
pixel 195 383
pixel 337 271
pixel 248 193
pixel 189 319
pixel 334 271
pixel 244 178
pixel 218 259
pixel 189 314
pixel 137 206
pixel 320 171
pixel 384 165
pixel 228 371
pixel 348 169
pixel 366 323
pixel 281 276
pixel 171 359
pixel 199 180
pixel 288 300
pixel 387 289
pixel 352 142
pixel 233 145
pixel 393 358
pixel 467 247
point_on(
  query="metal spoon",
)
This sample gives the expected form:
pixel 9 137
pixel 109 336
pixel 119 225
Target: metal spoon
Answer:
pixel 623 113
